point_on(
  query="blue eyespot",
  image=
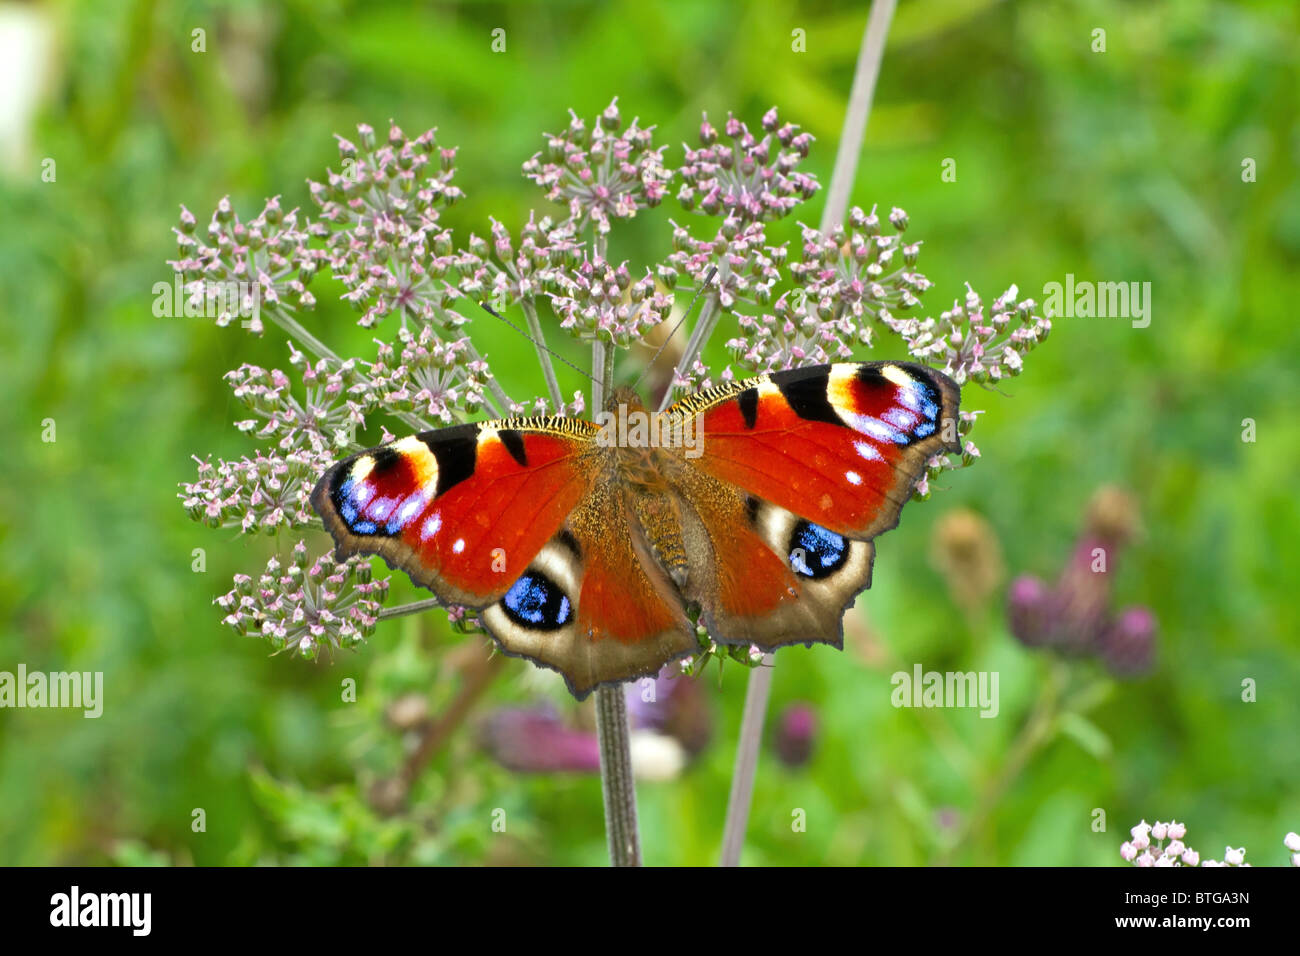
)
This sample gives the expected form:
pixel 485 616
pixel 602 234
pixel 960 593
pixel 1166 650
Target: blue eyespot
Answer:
pixel 535 601
pixel 816 552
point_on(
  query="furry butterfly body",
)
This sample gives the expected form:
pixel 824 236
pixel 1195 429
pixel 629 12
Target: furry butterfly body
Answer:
pixel 583 547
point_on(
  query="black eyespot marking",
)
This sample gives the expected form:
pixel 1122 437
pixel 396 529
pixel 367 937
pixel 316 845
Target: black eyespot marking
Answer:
pixel 816 552
pixel 536 602
pixel 569 541
pixel 456 450
pixel 385 458
pixel 751 508
pixel 870 375
pixel 805 390
pixel 748 401
pixel 514 443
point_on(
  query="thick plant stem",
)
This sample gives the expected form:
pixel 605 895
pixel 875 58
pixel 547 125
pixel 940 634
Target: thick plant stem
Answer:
pixel 616 781
pixel 837 203
pixel 863 91
pixel 742 777
pixel 616 778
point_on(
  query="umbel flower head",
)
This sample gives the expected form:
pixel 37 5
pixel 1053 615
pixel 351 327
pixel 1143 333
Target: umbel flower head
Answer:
pixel 600 173
pixel 307 605
pixel 741 177
pixel 380 235
pixel 1162 844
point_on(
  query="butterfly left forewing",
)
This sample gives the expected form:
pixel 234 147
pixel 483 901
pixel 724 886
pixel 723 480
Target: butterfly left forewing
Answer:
pixel 463 510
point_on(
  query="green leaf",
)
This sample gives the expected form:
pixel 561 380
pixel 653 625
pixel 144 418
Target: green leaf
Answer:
pixel 1086 734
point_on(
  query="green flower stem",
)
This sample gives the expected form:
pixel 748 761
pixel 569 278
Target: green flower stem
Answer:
pixel 295 329
pixel 1039 729
pixel 837 203
pixel 543 356
pixel 710 312
pixel 415 607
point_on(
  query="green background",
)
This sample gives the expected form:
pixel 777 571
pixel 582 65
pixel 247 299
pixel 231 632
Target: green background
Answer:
pixel 1123 166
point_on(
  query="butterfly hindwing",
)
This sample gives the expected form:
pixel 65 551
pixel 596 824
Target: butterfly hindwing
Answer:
pixel 593 604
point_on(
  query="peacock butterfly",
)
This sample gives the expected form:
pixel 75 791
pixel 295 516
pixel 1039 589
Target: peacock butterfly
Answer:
pixel 582 544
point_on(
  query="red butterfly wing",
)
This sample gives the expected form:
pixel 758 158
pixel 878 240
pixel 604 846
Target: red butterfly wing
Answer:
pixel 840 445
pixel 799 471
pixel 593 604
pixel 462 510
pixel 520 520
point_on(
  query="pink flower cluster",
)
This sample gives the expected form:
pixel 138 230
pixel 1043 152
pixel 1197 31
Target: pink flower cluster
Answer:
pixel 736 175
pixel 601 174
pixel 1148 847
pixel 305 606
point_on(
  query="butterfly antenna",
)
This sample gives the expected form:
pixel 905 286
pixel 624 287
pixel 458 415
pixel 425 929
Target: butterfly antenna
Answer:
pixel 490 311
pixel 583 372
pixel 649 365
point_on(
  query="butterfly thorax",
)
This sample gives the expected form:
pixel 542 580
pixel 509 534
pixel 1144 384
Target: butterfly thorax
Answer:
pixel 635 438
pixel 641 446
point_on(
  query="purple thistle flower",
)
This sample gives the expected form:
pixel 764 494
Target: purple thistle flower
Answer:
pixel 1128 645
pixel 795 735
pixel 536 740
pixel 1074 617
pixel 666 732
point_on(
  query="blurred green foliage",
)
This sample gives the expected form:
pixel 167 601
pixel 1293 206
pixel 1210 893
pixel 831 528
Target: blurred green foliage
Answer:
pixel 1122 165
